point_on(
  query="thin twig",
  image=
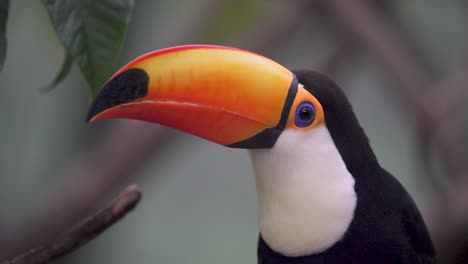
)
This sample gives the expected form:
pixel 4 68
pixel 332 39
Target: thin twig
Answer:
pixel 89 178
pixel 84 232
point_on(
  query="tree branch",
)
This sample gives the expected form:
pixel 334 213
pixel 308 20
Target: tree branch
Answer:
pixel 451 93
pixel 90 177
pixel 84 232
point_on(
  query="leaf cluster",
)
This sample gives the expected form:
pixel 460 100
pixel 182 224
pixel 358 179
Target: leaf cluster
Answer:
pixel 91 31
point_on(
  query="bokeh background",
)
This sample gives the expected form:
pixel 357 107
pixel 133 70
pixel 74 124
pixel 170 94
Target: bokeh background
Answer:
pixel 403 65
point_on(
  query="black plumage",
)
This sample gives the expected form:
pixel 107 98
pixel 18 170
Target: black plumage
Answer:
pixel 387 226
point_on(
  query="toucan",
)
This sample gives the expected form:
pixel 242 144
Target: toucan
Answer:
pixel 322 195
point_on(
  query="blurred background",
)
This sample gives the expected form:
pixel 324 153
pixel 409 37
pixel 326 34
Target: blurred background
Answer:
pixel 403 65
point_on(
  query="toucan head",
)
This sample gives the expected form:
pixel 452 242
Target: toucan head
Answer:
pixel 303 137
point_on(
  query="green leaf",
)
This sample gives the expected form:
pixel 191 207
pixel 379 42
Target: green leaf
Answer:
pixel 66 66
pixel 92 32
pixel 4 4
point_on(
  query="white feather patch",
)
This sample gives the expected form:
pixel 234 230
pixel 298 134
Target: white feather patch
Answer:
pixel 306 195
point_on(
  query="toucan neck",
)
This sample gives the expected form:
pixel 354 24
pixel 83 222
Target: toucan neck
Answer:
pixel 352 143
pixel 306 196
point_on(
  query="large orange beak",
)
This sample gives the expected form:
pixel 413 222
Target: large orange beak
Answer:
pixel 226 95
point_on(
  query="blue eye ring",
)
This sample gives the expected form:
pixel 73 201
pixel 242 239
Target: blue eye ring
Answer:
pixel 305 114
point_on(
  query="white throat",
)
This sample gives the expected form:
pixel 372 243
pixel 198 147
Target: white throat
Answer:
pixel 306 195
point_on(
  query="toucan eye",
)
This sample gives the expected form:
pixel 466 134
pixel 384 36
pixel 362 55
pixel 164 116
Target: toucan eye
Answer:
pixel 305 114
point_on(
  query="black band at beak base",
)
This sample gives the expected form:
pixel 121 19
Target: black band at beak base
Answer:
pixel 267 138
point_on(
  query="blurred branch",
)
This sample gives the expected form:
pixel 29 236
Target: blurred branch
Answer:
pixel 82 184
pixel 84 232
pixel 450 94
pixel 411 82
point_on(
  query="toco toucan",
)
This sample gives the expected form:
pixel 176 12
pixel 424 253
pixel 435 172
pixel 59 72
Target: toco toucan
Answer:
pixel 322 195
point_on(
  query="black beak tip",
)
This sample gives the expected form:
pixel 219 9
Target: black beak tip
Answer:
pixel 125 87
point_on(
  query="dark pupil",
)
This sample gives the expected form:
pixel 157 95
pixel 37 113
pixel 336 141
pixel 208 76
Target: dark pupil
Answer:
pixel 306 114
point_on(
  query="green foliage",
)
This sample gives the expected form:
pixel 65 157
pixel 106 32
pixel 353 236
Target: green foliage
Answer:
pixel 3 18
pixel 92 32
